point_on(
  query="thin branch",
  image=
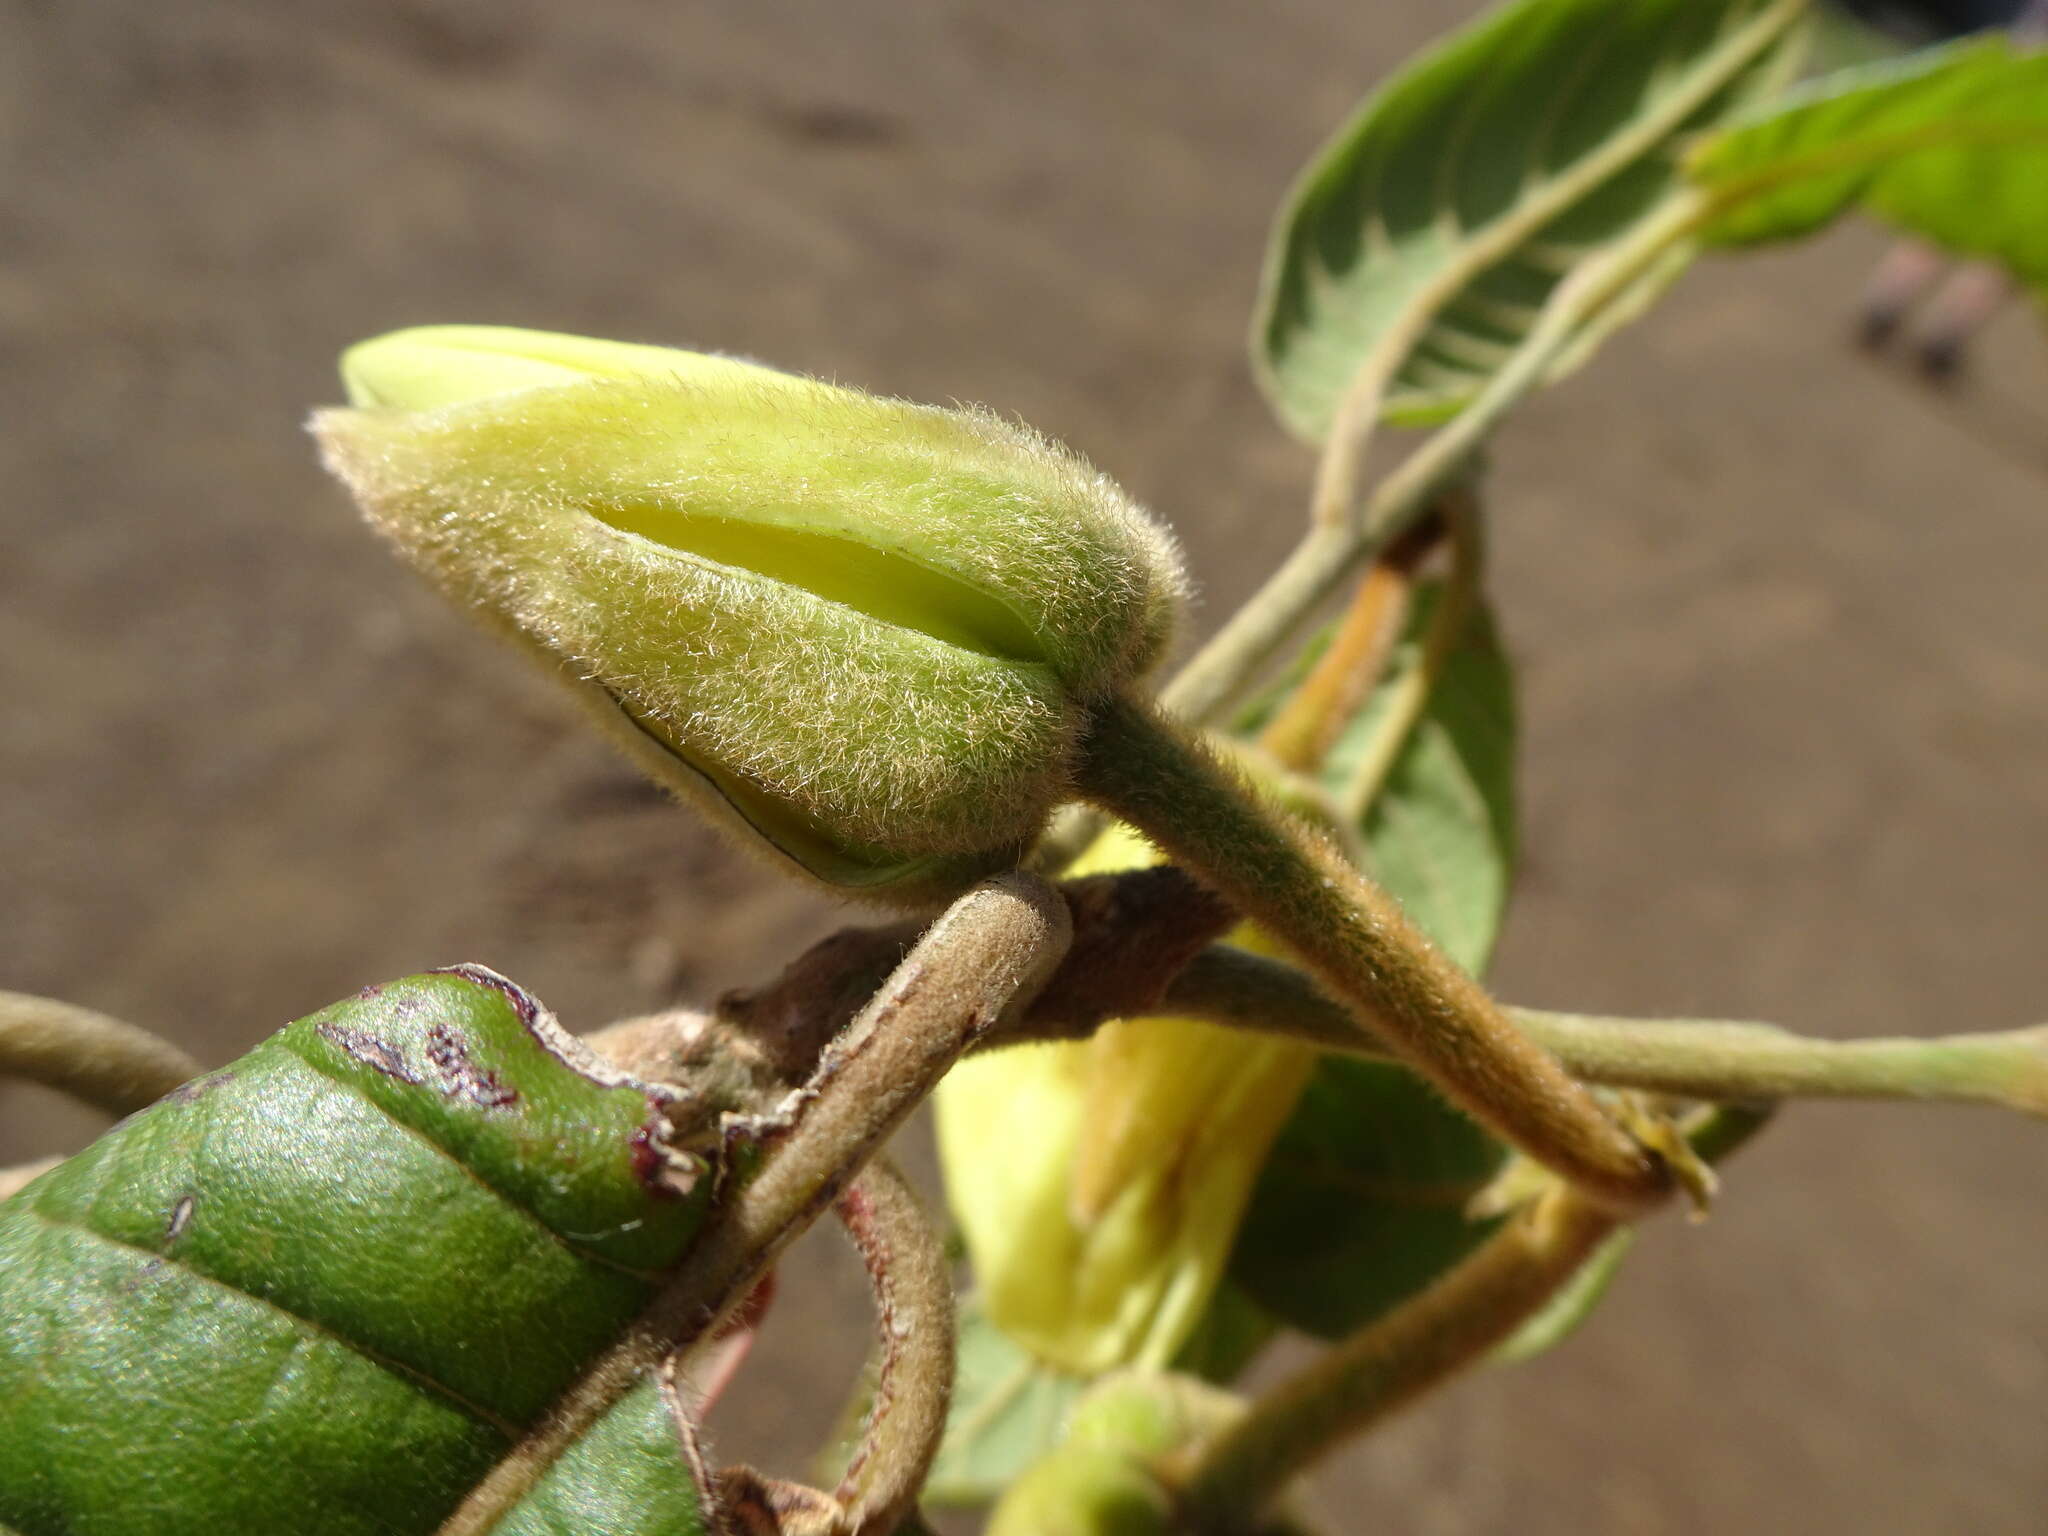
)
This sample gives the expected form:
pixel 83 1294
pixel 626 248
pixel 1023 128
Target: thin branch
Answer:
pixel 1687 1058
pixel 110 1065
pixel 1456 1321
pixel 1452 1324
pixel 1703 1059
pixel 1162 917
pixel 1308 724
pixel 981 963
pixel 913 1285
pixel 1411 692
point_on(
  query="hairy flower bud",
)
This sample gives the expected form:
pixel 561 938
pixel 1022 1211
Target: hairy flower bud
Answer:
pixel 860 629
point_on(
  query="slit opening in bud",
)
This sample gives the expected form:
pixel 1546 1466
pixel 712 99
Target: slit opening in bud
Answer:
pixel 880 583
pixel 792 835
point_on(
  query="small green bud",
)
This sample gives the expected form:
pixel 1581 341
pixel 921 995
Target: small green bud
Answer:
pixel 1102 1478
pixel 1085 1490
pixel 1150 1413
pixel 860 629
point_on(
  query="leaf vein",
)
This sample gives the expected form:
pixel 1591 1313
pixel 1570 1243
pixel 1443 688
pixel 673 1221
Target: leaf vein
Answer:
pixel 410 1374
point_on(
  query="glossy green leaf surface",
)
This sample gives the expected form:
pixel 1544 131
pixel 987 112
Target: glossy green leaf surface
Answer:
pixel 1362 1200
pixel 1426 236
pixel 1951 144
pixel 325 1289
pixel 635 1474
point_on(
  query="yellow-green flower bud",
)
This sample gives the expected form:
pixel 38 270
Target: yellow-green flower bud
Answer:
pixel 862 629
pixel 1099 1184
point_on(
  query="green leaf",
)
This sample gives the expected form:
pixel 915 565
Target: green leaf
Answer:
pixel 1362 1201
pixel 327 1288
pixel 638 1472
pixel 1009 1410
pixel 1423 240
pixel 1951 144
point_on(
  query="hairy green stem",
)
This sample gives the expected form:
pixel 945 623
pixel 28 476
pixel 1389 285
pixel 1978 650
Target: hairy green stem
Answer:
pixel 1702 1059
pixel 110 1065
pixel 1217 674
pixel 1355 937
pixel 1453 1323
pixel 980 963
pixel 1689 1058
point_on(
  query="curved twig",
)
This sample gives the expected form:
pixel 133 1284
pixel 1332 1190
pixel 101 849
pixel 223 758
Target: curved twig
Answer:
pixel 1450 1325
pixel 913 1285
pixel 99 1060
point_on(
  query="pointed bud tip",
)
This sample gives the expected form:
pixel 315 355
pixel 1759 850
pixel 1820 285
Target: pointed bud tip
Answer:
pixel 426 367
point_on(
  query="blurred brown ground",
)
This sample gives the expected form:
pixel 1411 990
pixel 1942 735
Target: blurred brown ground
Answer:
pixel 1778 613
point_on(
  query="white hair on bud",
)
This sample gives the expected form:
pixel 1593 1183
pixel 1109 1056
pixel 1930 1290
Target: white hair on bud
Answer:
pixel 532 509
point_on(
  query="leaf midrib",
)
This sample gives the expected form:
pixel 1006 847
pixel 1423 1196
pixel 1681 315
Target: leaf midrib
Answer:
pixel 1495 242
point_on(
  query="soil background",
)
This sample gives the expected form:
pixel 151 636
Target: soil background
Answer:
pixel 1777 610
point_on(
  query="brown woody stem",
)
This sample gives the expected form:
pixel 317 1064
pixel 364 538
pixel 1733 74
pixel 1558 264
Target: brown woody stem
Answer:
pixel 913 1286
